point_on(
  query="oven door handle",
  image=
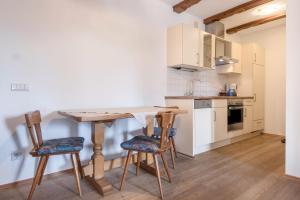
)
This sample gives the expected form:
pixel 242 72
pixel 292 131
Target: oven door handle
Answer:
pixel 235 107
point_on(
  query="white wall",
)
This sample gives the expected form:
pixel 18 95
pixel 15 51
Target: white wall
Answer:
pixel 274 42
pixel 77 54
pixel 292 90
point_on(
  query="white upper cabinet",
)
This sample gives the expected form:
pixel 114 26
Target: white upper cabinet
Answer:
pixel 207 50
pixel 237 54
pixel 183 46
pixel 258 55
pixel 189 47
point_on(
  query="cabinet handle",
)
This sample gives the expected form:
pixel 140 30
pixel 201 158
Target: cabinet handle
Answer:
pixel 254 97
pixel 215 116
pixel 245 110
pixel 197 54
pixel 255 57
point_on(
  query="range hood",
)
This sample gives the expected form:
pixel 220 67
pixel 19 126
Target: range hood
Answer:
pixel 223 53
pixel 223 60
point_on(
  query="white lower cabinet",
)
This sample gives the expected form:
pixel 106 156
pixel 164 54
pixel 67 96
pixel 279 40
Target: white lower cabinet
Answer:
pixel 210 125
pixel 248 119
pixel 204 126
pixel 220 124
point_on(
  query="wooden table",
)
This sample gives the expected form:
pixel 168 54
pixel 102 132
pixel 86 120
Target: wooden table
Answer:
pixel 99 118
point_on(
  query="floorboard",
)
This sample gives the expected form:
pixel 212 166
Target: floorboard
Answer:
pixel 252 169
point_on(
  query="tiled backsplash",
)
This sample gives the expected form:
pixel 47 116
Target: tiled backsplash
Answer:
pixel 206 83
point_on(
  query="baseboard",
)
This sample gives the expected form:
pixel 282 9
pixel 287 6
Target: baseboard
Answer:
pixel 281 134
pixel 108 165
pixel 294 178
pixel 27 181
pixel 226 142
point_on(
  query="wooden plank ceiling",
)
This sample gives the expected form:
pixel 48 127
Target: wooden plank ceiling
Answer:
pixel 255 23
pixel 235 10
pixel 183 5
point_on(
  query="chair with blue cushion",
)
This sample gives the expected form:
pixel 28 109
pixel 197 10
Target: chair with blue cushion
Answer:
pixel 146 144
pixel 46 148
pixel 171 133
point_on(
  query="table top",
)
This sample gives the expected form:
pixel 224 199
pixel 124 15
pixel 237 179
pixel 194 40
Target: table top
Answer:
pixel 108 114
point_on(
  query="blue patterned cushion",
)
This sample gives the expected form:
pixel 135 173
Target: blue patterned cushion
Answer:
pixel 141 143
pixel 157 131
pixel 62 145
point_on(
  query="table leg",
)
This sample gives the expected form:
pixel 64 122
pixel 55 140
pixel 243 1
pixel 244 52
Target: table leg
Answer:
pixel 95 170
pixel 150 131
pixel 147 164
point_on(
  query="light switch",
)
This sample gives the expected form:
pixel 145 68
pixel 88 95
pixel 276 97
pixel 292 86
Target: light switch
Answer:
pixel 19 87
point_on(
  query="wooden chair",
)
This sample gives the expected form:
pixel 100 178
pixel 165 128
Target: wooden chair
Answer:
pixel 171 133
pixel 156 147
pixel 47 148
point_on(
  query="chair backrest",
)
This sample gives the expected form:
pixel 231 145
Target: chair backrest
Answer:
pixel 170 107
pixel 165 121
pixel 33 121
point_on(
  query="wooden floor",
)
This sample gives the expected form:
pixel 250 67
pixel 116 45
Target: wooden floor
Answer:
pixel 247 170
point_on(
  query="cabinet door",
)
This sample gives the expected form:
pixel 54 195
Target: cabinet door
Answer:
pixel 206 50
pixel 174 45
pixel 237 54
pixel 259 91
pixel 248 119
pixel 190 42
pixel 220 124
pixel 259 55
pixel 203 127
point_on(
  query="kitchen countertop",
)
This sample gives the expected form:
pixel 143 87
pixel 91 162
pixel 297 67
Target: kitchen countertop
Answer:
pixel 208 97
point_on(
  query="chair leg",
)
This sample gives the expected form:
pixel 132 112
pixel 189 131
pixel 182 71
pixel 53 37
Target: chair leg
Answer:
pixel 172 156
pixel 138 163
pixel 166 166
pixel 79 165
pixel 158 175
pixel 174 146
pixel 43 170
pixel 37 176
pixel 125 169
pixel 76 172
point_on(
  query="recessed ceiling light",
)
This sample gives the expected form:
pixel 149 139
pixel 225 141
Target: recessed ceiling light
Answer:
pixel 269 9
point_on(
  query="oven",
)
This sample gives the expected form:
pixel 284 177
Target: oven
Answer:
pixel 235 114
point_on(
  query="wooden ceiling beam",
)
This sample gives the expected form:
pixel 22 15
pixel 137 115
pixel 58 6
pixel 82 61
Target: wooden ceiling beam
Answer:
pixel 238 9
pixel 183 5
pixel 255 23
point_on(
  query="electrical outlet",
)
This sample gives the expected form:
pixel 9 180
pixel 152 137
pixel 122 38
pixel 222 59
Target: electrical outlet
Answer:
pixel 19 87
pixel 16 155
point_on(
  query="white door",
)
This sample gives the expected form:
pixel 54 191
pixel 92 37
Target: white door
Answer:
pixel 259 91
pixel 248 119
pixel 219 124
pixel 259 55
pixel 190 45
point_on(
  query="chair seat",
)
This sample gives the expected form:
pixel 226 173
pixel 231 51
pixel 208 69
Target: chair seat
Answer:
pixel 157 132
pixel 60 146
pixel 141 143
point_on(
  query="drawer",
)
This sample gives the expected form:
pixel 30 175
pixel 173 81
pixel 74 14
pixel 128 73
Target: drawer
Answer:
pixel 248 102
pixel 258 125
pixel 219 103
